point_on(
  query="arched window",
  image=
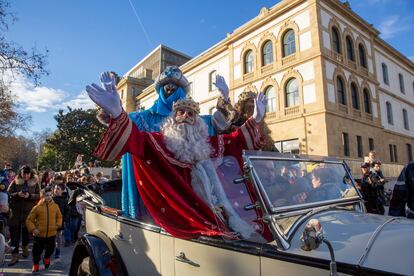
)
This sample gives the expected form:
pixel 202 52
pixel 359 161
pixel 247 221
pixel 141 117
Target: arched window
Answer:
pixel 340 88
pixel 211 80
pixel 401 80
pixel 350 48
pixel 367 101
pixel 389 113
pixel 292 93
pixel 362 56
pixel 405 118
pixel 385 74
pixel 248 62
pixel 267 53
pixel 271 99
pixel 336 39
pixel 355 96
pixel 289 46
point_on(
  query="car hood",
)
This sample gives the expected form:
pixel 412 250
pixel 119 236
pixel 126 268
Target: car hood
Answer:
pixel 372 241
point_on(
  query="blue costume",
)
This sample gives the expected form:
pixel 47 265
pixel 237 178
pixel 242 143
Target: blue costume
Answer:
pixel 149 120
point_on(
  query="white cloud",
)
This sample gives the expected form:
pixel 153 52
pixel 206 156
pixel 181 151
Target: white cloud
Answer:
pixel 81 101
pixel 33 98
pixel 393 25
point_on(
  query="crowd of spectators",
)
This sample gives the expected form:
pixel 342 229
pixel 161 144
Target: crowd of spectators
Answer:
pixel 22 216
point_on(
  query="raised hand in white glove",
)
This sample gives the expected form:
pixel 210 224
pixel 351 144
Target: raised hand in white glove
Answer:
pixel 108 100
pixel 260 103
pixel 221 85
pixel 108 81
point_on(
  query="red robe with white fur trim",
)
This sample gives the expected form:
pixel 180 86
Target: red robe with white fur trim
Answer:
pixel 164 182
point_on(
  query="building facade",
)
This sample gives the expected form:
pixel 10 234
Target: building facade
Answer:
pixel 334 87
pixel 145 72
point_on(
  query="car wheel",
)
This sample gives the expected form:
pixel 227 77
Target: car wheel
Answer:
pixel 83 268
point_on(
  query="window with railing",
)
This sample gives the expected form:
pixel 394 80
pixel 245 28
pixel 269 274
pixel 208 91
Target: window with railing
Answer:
pixel 350 48
pixel 355 96
pixel 267 53
pixel 336 40
pixel 362 56
pixel 271 99
pixel 248 62
pixel 340 88
pixel 292 92
pixel 211 80
pixel 289 43
pixel 367 101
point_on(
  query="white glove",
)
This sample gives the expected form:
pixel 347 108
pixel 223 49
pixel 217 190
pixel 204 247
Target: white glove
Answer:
pixel 260 103
pixel 108 81
pixel 108 100
pixel 221 85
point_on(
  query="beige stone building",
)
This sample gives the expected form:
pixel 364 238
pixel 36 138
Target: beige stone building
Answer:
pixel 334 87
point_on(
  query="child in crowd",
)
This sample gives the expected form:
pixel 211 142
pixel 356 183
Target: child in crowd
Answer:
pixel 4 204
pixel 43 222
pixel 62 201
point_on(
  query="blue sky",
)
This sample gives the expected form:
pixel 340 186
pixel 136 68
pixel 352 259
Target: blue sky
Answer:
pixel 85 38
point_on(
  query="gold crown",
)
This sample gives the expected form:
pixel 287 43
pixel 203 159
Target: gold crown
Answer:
pixel 187 103
pixel 246 95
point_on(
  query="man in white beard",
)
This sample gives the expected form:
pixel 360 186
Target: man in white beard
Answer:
pixel 175 175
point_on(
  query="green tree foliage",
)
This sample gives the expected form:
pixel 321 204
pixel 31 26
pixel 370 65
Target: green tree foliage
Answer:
pixel 48 159
pixel 78 132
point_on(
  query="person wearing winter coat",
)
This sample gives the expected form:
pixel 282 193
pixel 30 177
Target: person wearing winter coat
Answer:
pixel 24 193
pixel 43 222
pixel 61 199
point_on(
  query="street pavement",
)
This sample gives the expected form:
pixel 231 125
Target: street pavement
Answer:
pixel 24 266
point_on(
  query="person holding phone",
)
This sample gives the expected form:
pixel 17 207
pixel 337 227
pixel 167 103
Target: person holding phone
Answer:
pixel 24 193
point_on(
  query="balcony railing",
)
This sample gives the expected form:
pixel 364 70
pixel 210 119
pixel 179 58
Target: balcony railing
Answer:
pixel 337 56
pixel 352 64
pixel 289 111
pixel 288 59
pixel 364 71
pixel 270 115
pixel 267 68
pixel 356 113
pixel 343 108
pixel 369 116
pixel 248 76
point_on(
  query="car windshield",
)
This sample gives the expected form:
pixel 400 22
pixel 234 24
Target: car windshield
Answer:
pixel 292 182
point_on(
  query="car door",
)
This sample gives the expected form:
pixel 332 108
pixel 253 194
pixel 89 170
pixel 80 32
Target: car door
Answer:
pixel 205 259
pixel 139 246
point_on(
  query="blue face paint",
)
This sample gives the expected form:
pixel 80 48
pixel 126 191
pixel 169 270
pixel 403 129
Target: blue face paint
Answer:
pixel 163 105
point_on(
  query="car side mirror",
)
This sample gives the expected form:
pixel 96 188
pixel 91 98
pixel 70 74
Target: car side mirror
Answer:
pixel 312 235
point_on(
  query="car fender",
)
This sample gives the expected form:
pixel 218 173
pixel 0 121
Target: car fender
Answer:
pixel 104 257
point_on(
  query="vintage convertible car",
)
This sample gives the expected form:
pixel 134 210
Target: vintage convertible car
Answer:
pixel 315 215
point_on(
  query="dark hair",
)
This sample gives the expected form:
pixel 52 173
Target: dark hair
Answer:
pixel 376 163
pixel 26 169
pixel 365 165
pixel 61 186
pixel 45 190
pixel 324 174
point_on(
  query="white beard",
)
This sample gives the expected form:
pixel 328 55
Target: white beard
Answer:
pixel 188 143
